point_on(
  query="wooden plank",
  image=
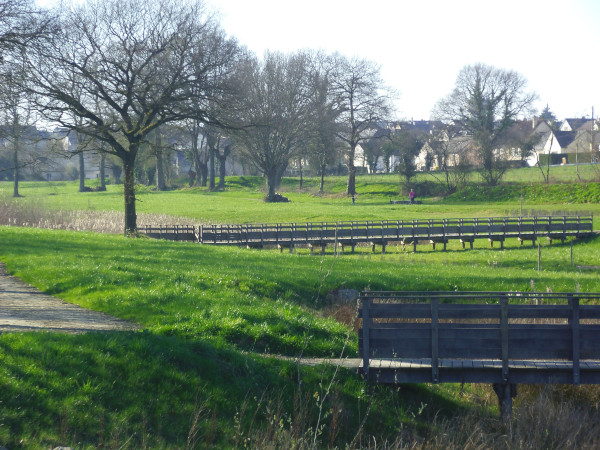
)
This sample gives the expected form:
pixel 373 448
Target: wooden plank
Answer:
pixel 446 311
pixel 504 336
pixel 539 311
pixel 452 329
pixel 435 374
pixel 412 348
pixel 574 303
pixel 366 323
pixel 589 339
pixel 541 335
pixel 589 311
pixel 471 352
pixel 400 310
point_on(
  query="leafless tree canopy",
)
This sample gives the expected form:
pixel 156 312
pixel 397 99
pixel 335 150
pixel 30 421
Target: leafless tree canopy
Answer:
pixel 116 70
pixel 486 101
pixel 363 101
pixel 21 23
pixel 276 113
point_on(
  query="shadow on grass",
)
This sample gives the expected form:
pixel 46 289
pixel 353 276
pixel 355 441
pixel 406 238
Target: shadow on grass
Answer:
pixel 140 389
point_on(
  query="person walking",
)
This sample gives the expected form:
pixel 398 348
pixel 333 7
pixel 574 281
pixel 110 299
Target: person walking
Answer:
pixel 412 195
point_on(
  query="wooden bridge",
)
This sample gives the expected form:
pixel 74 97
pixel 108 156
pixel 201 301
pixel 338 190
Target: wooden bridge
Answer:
pixel 503 338
pixel 380 233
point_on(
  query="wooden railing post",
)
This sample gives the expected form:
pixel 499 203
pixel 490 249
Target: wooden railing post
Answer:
pixel 574 320
pixel 435 342
pixel 366 331
pixel 504 335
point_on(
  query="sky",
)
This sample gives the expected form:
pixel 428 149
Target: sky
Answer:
pixel 421 45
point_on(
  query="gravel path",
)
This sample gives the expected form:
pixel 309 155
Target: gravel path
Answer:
pixel 24 308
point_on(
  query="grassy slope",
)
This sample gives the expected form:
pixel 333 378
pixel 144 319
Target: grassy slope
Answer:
pixel 203 306
pixel 208 310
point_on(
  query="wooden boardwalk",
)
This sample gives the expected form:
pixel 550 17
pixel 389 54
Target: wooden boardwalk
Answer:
pixel 318 235
pixel 503 338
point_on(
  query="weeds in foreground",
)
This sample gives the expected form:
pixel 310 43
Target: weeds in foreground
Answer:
pixel 539 422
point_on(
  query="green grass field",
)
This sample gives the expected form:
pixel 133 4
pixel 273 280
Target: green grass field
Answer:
pixel 242 200
pixel 197 377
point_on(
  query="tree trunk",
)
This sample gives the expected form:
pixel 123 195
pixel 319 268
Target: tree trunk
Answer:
pixel 222 168
pixel 351 186
pixel 129 194
pixel 322 185
pixel 211 168
pixel 203 175
pixel 196 156
pixel 279 175
pixel 271 185
pixel 200 169
pixel 102 170
pixel 81 173
pixel 160 170
pixel 301 174
pixel 16 170
pixel 116 173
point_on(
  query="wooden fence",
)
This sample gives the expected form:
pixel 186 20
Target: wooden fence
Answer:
pixel 402 232
pixel 503 338
pixel 171 232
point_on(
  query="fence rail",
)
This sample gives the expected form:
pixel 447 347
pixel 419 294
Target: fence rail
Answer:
pixel 171 232
pixel 403 232
pixel 504 338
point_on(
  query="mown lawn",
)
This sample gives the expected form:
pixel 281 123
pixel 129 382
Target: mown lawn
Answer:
pixel 242 202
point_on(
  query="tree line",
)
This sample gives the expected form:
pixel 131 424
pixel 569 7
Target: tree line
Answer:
pixel 122 74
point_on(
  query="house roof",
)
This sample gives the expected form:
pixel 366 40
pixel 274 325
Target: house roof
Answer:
pixel 421 126
pixel 455 145
pixel 575 124
pixel 564 138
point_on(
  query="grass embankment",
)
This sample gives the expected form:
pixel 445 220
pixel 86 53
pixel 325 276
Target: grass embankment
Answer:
pixel 196 377
pixel 209 313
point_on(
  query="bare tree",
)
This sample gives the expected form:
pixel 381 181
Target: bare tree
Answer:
pixel 486 101
pixel 21 22
pixel 195 150
pixel 451 155
pixel 323 147
pixel 143 63
pixel 276 113
pixel 17 121
pixel 363 101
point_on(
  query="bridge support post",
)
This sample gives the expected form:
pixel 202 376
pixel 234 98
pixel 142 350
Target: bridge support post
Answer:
pixel 505 393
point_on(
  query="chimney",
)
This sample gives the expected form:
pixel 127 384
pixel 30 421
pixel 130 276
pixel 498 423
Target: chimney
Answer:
pixel 533 123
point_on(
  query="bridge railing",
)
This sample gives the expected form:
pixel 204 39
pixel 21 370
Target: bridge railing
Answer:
pixel 412 232
pixel 404 231
pixel 171 232
pixel 504 338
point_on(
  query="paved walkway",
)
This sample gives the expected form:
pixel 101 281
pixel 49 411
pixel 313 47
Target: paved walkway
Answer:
pixel 24 308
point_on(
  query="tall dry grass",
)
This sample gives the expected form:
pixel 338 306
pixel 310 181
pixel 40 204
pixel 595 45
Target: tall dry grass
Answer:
pixel 548 417
pixel 33 213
